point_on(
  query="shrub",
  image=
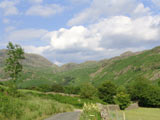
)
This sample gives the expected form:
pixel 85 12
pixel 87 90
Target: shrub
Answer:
pixel 1 83
pixel 57 88
pixel 107 92
pixel 88 91
pixel 145 93
pixel 72 90
pixel 123 100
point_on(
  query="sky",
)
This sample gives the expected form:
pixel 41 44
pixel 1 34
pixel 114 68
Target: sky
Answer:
pixel 66 31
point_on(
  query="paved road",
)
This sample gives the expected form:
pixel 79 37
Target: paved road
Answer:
pixel 66 116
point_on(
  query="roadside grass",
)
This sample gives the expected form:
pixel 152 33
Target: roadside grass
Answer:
pixel 29 107
pixel 90 112
pixel 77 102
pixel 43 108
pixel 91 115
pixel 137 114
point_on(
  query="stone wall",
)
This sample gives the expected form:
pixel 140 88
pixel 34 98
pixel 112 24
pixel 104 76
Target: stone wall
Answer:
pixel 112 107
pixel 105 109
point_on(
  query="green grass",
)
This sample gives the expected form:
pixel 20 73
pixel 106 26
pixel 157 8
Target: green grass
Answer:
pixel 125 70
pixel 91 115
pixel 29 106
pixel 90 112
pixel 138 114
pixel 77 102
pixel 143 114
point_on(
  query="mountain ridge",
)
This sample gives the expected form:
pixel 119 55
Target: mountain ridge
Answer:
pixel 120 69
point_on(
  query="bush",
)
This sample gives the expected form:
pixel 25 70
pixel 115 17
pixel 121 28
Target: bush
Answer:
pixel 57 88
pixel 107 92
pixel 145 93
pixel 123 100
pixel 1 83
pixel 88 91
pixel 72 90
pixel 159 83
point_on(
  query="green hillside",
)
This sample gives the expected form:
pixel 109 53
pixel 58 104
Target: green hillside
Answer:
pixel 124 70
pixel 121 69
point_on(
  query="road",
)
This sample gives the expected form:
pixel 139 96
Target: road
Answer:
pixel 66 116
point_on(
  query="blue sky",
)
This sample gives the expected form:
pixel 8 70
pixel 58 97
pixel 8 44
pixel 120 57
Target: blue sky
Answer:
pixel 80 30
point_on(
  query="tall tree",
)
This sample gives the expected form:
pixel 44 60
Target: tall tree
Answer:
pixel 13 66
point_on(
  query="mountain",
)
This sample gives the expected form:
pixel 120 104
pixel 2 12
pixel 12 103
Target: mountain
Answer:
pixel 33 60
pixel 121 69
pixel 37 69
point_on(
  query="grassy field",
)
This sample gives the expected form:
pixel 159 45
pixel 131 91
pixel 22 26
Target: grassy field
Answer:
pixel 77 102
pixel 143 114
pixel 34 105
pixel 138 114
pixel 28 106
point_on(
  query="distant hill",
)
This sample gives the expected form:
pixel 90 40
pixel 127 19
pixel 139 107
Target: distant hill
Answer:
pixel 121 69
pixel 35 68
pixel 33 60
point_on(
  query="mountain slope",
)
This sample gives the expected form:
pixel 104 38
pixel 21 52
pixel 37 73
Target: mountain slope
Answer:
pixel 126 69
pixel 37 69
pixel 121 69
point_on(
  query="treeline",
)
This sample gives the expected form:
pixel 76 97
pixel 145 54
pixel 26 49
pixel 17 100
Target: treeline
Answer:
pixel 141 90
pixel 59 88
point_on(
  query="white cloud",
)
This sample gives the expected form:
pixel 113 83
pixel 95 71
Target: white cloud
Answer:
pixel 107 32
pixel 144 28
pixel 156 2
pixel 36 50
pixel 77 36
pixel 9 7
pixel 44 10
pixel 26 34
pixel 58 63
pixel 107 38
pixel 105 8
pixel 140 10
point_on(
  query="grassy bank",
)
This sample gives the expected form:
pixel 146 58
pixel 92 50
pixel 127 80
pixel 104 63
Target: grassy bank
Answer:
pixel 35 105
pixel 29 107
pixel 90 112
pixel 77 102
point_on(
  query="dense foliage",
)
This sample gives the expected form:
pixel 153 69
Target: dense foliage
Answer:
pixel 141 91
pixel 13 64
pixel 145 93
pixel 107 92
pixel 88 91
pixel 123 100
